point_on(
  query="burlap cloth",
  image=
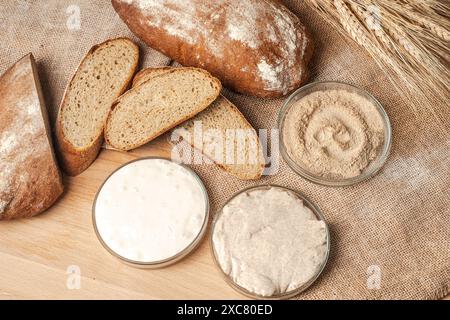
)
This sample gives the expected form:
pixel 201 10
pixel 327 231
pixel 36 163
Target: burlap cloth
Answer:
pixel 390 235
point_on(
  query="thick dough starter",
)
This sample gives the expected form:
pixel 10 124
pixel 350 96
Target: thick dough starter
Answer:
pixel 268 242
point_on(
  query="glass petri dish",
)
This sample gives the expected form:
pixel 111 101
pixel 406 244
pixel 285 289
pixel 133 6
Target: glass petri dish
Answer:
pixel 309 204
pixel 172 259
pixel 374 166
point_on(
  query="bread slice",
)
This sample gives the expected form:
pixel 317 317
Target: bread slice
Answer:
pixel 158 105
pixel 222 115
pixel 30 180
pixel 103 75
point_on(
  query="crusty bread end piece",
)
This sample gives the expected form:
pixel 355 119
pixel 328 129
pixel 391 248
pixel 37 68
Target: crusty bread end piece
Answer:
pixel 221 115
pixel 158 105
pixel 103 75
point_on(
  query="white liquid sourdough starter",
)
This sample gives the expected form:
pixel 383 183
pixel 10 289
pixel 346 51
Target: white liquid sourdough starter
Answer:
pixel 268 242
pixel 150 210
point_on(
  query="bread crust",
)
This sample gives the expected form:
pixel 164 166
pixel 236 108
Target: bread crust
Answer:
pixel 258 174
pixel 144 72
pixel 75 160
pixel 140 77
pixel 30 180
pixel 273 69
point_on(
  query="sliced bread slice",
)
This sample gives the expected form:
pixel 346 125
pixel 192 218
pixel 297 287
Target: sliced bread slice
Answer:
pixel 158 105
pixel 221 116
pixel 103 75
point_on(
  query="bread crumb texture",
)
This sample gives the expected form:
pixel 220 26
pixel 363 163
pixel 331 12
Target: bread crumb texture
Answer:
pixel 100 79
pixel 241 157
pixel 159 105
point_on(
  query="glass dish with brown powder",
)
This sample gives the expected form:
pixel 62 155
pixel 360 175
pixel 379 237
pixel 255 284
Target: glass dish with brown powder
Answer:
pixel 334 134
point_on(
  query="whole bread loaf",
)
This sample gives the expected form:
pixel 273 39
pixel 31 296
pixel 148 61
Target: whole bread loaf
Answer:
pixel 255 47
pixel 30 180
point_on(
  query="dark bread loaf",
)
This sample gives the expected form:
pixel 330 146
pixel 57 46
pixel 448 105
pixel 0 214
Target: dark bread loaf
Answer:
pixel 103 75
pixel 30 180
pixel 255 47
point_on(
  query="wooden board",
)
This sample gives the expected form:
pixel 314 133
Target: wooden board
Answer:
pixel 37 253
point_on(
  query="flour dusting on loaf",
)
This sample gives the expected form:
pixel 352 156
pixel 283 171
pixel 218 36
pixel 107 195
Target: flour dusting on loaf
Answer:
pixel 254 46
pixel 30 180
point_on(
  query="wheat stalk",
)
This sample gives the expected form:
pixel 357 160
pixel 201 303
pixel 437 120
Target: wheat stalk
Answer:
pixel 410 42
pixel 440 31
pixel 388 37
